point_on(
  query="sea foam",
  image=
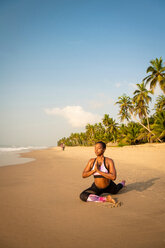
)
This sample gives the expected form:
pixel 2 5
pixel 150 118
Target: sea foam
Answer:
pixel 10 155
pixel 17 149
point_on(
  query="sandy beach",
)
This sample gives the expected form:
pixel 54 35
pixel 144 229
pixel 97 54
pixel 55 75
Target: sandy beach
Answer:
pixel 40 205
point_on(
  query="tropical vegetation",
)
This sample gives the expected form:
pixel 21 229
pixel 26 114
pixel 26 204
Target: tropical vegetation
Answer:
pixel 136 125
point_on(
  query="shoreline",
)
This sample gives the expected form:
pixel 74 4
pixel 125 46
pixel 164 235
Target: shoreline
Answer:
pixel 13 156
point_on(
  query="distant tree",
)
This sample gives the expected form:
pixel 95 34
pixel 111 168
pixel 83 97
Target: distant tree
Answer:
pixel 141 100
pixel 126 107
pixel 99 132
pixel 122 134
pixel 157 74
pixel 133 131
pixel 128 134
pixel 90 132
pixel 159 125
pixel 111 127
pixel 160 103
pixel 83 139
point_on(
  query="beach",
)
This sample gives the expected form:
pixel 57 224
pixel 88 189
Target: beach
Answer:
pixel 40 205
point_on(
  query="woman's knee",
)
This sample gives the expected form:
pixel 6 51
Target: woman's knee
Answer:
pixel 84 196
pixel 117 188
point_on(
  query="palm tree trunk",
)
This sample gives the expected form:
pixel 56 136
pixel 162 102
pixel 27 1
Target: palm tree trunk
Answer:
pixel 147 119
pixel 144 126
pixel 147 122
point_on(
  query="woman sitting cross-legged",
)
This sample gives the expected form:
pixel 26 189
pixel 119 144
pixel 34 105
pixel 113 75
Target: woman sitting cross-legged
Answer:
pixel 104 172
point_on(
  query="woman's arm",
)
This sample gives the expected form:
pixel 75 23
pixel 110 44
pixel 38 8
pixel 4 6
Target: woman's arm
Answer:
pixel 87 171
pixel 112 171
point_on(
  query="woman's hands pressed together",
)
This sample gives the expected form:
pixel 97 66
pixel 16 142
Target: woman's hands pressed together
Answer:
pixel 97 166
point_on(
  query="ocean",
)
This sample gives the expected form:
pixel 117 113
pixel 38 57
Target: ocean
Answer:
pixel 10 155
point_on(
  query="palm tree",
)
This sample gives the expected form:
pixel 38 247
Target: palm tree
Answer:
pixel 128 134
pixel 99 132
pixel 160 103
pixel 83 139
pixel 122 134
pixel 141 100
pixel 90 132
pixel 106 121
pixel 111 126
pixel 159 125
pixel 63 140
pixel 73 139
pixel 127 109
pixel 133 131
pixel 157 74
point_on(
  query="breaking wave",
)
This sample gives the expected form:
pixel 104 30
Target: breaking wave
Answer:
pixel 16 149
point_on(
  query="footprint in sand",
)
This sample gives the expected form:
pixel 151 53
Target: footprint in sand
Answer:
pixel 117 204
pixel 111 205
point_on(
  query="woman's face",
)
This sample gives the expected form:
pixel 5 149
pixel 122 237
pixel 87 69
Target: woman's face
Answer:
pixel 99 150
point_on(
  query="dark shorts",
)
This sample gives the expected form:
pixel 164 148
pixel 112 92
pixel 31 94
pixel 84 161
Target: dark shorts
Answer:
pixel 111 189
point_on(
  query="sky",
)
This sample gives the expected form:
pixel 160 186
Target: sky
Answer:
pixel 65 63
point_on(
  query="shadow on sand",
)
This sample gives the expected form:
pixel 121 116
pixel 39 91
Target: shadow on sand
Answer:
pixel 139 186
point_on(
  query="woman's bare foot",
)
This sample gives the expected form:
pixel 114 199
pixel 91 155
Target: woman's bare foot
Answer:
pixel 110 199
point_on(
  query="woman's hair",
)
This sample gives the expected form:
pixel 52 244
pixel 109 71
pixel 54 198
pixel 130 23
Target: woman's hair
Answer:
pixel 102 143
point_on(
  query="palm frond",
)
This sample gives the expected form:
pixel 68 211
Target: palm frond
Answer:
pixel 150 69
pixel 146 78
pixel 162 69
pixel 162 135
pixel 153 84
pixel 149 79
pixel 162 85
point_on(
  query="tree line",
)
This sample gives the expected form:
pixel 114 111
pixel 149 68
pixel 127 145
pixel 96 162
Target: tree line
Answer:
pixel 139 126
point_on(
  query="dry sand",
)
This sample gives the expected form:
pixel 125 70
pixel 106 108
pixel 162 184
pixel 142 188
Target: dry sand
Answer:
pixel 40 205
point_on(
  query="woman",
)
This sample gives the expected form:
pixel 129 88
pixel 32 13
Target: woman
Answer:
pixel 104 172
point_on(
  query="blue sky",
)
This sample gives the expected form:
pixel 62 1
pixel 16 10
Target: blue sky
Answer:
pixel 64 63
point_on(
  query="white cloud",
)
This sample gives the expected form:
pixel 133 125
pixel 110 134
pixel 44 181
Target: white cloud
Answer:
pixel 118 85
pixel 75 115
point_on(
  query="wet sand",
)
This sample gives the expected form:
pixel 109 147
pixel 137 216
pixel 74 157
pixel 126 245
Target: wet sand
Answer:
pixel 40 205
